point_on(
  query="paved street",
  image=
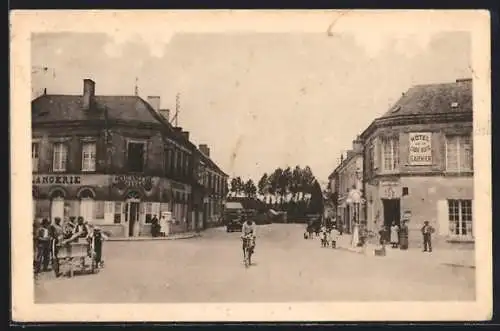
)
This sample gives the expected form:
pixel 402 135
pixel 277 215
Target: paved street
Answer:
pixel 286 268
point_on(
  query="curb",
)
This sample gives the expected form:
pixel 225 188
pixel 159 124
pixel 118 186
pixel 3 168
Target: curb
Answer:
pixel 155 239
pixel 451 264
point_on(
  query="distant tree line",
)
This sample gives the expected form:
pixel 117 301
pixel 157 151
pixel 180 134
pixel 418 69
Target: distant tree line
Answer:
pixel 295 191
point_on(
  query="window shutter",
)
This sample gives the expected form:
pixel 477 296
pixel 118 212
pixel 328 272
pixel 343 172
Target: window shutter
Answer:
pixel 443 220
pixel 109 210
pixel 376 153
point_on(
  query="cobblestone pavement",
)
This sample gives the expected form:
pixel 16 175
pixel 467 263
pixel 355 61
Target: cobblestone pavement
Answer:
pixel 286 268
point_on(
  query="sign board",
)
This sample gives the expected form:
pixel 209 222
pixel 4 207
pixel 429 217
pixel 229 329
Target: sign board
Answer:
pixel 420 148
pixel 390 190
pixel 122 182
pixel 406 215
pixel 56 179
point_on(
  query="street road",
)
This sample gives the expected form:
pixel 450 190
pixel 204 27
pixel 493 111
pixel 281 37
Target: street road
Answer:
pixel 286 268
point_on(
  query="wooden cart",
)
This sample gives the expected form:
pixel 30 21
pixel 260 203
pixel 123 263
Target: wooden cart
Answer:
pixel 79 255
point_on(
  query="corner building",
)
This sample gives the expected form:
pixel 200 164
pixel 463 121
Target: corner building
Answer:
pixel 115 160
pixel 418 164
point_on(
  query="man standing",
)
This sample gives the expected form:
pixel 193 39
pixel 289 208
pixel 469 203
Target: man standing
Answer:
pixel 427 231
pixel 43 246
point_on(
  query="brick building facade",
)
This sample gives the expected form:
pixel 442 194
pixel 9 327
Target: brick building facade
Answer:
pixel 418 163
pixel 116 161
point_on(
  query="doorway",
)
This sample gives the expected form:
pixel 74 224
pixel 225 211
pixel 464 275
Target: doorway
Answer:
pixel 392 211
pixel 132 214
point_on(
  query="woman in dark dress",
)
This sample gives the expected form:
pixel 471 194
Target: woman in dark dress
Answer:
pixel 403 235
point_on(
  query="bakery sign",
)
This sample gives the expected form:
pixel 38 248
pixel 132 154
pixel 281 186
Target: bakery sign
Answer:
pixel 420 152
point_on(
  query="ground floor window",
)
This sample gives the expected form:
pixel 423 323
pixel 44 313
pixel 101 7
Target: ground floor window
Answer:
pixel 148 212
pixel 118 212
pixel 460 217
pixel 57 208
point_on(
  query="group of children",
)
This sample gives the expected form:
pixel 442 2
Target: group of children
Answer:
pixel 328 235
pixel 48 238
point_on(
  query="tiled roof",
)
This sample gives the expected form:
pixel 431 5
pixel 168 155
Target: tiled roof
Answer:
pixel 211 164
pixel 434 98
pixel 60 108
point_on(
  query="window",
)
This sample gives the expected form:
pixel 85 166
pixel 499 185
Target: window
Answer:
pixel 166 161
pixel 186 165
pixel 174 161
pixel 179 162
pixel 390 153
pixel 35 152
pixel 60 157
pixel 460 217
pixel 148 211
pixel 135 159
pixel 88 156
pixel 117 219
pixel 99 209
pixel 371 157
pixel 458 153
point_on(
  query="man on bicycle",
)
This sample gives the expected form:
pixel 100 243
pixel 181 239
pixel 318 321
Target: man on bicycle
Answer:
pixel 248 231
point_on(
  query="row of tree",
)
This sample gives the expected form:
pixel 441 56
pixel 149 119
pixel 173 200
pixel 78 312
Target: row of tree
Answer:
pixel 282 189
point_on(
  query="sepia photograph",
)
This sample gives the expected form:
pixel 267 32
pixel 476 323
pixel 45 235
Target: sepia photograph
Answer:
pixel 252 165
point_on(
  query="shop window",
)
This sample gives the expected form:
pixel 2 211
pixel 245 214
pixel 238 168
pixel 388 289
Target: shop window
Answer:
pixel 87 205
pixel 88 156
pixel 35 155
pixel 148 211
pixel 117 218
pixel 135 157
pixel 60 157
pixel 458 153
pixel 99 209
pixel 460 218
pixel 390 154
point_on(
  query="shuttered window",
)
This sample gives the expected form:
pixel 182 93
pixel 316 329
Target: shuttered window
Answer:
pixel 60 157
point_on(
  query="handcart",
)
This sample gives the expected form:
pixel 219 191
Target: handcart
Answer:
pixel 78 255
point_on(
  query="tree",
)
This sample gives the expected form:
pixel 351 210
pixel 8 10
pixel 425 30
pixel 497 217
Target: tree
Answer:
pixel 295 182
pixel 250 189
pixel 316 204
pixel 262 185
pixel 234 186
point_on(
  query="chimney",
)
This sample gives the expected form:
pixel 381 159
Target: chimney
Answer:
pixel 88 93
pixel 165 113
pixel 357 145
pixel 204 149
pixel 185 134
pixel 154 102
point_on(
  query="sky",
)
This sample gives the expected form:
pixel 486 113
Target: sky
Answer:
pixel 259 100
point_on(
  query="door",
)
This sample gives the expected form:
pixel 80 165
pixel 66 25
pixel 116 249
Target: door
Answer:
pixel 57 208
pixel 392 212
pixel 132 216
pixel 87 209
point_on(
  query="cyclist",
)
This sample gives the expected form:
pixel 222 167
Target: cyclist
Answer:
pixel 248 230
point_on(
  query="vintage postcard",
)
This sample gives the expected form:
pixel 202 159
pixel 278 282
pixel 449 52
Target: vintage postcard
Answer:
pixel 251 165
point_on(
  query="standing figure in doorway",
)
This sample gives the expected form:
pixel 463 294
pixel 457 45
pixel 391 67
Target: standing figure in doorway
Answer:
pixel 394 235
pixel 403 235
pixel 427 232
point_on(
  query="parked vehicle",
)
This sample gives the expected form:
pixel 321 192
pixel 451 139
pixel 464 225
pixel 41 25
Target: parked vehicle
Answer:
pixel 232 216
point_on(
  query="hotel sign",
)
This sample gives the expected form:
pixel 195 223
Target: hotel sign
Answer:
pixel 123 182
pixel 420 152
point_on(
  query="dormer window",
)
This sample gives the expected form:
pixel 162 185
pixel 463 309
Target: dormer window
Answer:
pixel 396 109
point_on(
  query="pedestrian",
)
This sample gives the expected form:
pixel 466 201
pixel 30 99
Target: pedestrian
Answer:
pixel 394 235
pixel 155 226
pixel 57 236
pixel 381 234
pixel 427 232
pixel 163 226
pixel 43 247
pixel 403 235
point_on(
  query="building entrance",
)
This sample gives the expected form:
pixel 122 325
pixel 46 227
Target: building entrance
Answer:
pixel 392 211
pixel 132 214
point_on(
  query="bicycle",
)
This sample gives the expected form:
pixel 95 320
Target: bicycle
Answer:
pixel 247 251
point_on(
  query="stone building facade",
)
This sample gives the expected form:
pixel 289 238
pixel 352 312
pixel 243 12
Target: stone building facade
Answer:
pixel 116 161
pixel 418 163
pixel 346 182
